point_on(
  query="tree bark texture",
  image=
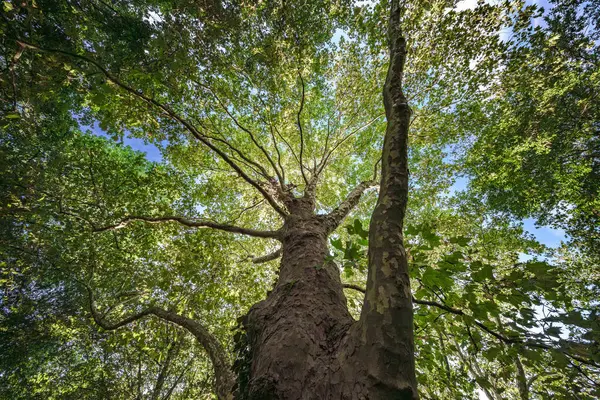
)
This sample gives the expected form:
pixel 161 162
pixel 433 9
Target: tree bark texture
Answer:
pixel 303 342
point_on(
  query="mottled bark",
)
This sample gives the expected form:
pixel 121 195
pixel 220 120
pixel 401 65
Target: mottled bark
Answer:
pixel 335 217
pixel 294 333
pixel 382 341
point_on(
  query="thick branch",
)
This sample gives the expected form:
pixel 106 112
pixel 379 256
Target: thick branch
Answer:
pixel 386 318
pixel 172 114
pixel 335 218
pixel 225 379
pixel 192 224
pixel 311 188
pixel 268 257
pixel 352 286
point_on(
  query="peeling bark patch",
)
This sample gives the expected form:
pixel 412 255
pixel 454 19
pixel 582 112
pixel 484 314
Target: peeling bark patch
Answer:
pixel 385 267
pixel 382 300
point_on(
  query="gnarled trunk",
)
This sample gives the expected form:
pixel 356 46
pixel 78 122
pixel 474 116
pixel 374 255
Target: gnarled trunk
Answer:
pixel 305 345
pixel 295 332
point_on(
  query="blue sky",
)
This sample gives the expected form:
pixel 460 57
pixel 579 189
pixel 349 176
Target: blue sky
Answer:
pixel 544 234
pixel 152 152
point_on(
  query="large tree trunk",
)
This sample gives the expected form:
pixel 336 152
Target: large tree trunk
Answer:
pixel 305 345
pixel 295 332
pixel 303 342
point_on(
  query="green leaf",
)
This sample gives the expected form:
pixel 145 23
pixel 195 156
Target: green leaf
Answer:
pixel 460 240
pixel 553 331
pixel 358 229
pixel 337 243
pixel 411 230
pixel 421 293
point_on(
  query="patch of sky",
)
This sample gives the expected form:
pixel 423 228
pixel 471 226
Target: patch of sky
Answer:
pixel 151 151
pixel 154 17
pixel 505 34
pixel 338 35
pixel 546 235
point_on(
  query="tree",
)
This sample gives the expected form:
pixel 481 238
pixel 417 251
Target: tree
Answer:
pixel 545 162
pixel 272 133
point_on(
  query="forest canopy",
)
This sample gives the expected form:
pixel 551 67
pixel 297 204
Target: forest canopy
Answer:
pixel 125 277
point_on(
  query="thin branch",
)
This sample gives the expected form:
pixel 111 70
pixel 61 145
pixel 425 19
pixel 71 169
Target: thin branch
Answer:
pixel 511 340
pixel 300 129
pixel 474 369
pixel 289 146
pixel 245 209
pixel 224 376
pixel 519 341
pixel 269 257
pixel 521 379
pixel 445 355
pixel 282 181
pixel 582 372
pixel 376 169
pixel 326 146
pixel 13 75
pixel 326 156
pixel 172 351
pixel 243 128
pixel 171 114
pixel 270 125
pixel 473 341
pixel 259 169
pixel 192 224
pixel 167 396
